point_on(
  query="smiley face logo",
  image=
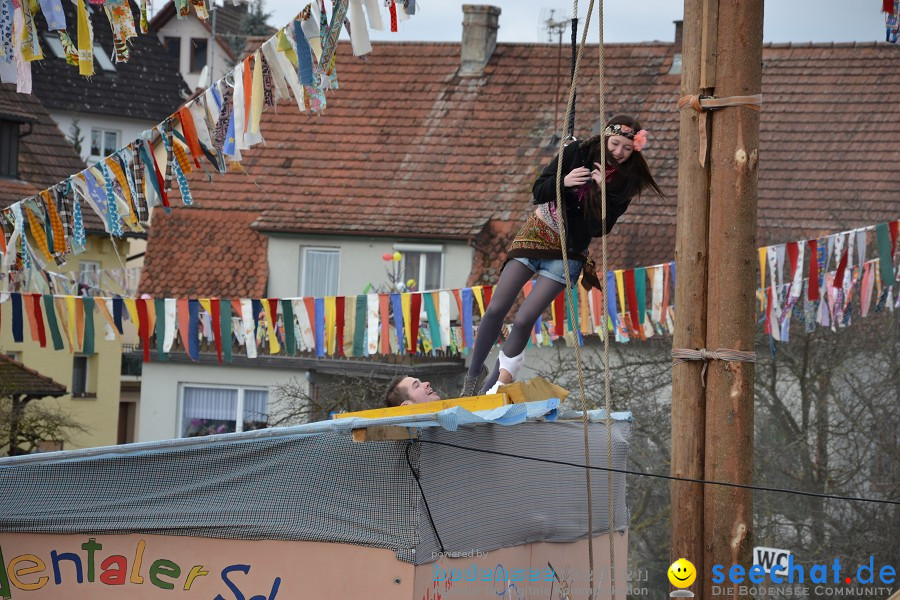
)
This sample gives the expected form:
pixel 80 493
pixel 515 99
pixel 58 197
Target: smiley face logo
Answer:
pixel 682 573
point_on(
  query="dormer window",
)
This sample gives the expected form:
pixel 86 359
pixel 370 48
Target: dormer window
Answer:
pixel 9 148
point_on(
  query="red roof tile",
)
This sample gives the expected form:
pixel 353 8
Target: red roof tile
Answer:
pixel 407 145
pixel 205 253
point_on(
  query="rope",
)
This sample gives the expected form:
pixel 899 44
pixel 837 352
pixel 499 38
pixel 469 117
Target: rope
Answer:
pixel 570 107
pixel 704 104
pixel 424 499
pixel 607 383
pixel 683 355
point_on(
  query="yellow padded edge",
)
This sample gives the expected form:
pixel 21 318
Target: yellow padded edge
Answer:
pixel 471 404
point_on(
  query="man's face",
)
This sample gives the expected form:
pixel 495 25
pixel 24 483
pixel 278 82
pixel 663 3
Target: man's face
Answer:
pixel 418 391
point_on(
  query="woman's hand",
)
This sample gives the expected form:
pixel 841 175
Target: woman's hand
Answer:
pixel 595 174
pixel 577 177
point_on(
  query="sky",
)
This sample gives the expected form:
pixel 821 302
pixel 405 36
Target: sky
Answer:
pixel 628 20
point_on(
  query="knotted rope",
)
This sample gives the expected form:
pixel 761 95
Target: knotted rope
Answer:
pixel 683 355
pixel 704 104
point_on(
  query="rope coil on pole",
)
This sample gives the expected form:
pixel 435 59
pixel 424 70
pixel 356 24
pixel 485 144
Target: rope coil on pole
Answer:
pixel 704 104
pixel 683 355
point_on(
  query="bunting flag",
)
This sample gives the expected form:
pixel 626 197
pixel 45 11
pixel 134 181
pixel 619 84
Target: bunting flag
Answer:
pixel 226 326
pixel 397 308
pixel 444 317
pixel 307 341
pixel 359 326
pixel 372 308
pixel 840 278
pixel 51 322
pixel 466 312
pixel 384 315
pixel 346 325
pixel 290 340
pixel 87 347
pixel 415 311
pixel 297 60
pixel 319 320
pixel 886 243
pixel 433 323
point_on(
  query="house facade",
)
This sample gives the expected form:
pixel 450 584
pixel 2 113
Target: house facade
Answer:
pixel 44 158
pixel 205 50
pixel 430 149
pixel 102 113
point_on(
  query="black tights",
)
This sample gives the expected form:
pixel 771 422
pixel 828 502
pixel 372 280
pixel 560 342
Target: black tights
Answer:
pixel 514 276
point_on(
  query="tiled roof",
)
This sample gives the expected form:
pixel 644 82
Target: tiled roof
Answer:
pixel 147 87
pixel 12 190
pixel 45 155
pixel 204 252
pixel 19 380
pixel 408 146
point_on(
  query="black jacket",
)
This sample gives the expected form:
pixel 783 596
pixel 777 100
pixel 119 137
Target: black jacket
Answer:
pixel 580 228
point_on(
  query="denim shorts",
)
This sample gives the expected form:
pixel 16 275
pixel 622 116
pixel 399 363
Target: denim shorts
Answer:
pixel 552 268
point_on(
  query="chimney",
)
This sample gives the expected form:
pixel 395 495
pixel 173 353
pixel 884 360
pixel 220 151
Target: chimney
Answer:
pixel 677 47
pixel 479 38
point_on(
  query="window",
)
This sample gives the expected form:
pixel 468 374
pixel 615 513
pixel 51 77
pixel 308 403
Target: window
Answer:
pixel 89 277
pixel 423 263
pixel 212 410
pixel 320 271
pixel 102 59
pixel 173 47
pixel 103 142
pixel 198 54
pixel 9 149
pixel 55 45
pixel 80 379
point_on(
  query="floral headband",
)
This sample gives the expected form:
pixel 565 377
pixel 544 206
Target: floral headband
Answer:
pixel 639 138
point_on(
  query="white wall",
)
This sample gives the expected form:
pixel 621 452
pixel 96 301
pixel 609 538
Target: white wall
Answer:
pixel 160 404
pixel 360 262
pixel 191 28
pixel 129 129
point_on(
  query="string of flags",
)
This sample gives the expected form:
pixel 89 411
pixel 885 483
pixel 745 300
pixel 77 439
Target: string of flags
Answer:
pixel 91 282
pixel 20 44
pixel 208 133
pixel 826 273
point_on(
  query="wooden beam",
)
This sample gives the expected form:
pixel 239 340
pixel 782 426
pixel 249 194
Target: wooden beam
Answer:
pixel 731 288
pixel 691 255
pixel 708 42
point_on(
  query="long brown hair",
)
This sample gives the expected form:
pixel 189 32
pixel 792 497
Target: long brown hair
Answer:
pixel 632 177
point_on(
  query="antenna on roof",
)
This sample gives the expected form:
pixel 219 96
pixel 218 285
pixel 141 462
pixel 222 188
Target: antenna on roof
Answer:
pixel 553 24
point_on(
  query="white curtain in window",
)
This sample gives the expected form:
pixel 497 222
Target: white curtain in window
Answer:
pixel 218 404
pixel 256 405
pixel 320 272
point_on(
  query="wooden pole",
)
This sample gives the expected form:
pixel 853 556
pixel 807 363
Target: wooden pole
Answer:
pixel 731 287
pixel 688 395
